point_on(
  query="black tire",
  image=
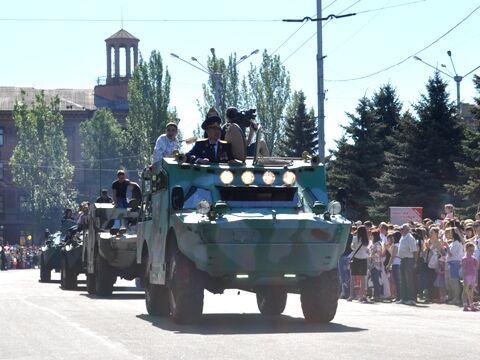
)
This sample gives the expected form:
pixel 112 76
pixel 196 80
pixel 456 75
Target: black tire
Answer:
pixel 91 284
pixel 319 297
pixel 45 272
pixel 105 277
pixel 185 289
pixel 68 279
pixel 156 299
pixel 271 300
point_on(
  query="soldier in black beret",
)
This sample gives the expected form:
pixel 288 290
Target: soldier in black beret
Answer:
pixel 211 149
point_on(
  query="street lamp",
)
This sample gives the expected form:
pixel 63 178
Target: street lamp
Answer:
pixel 216 76
pixel 457 78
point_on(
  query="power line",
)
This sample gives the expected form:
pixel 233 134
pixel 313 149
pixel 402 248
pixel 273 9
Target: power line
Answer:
pixel 132 20
pixel 412 55
pixel 315 33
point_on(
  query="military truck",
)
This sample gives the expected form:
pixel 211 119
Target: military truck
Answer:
pixel 71 262
pixel 264 226
pixel 50 256
pixel 110 252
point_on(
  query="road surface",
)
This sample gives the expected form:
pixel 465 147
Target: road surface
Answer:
pixel 41 321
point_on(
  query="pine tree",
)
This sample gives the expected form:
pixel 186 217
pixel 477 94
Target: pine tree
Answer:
pixel 440 137
pixel 354 165
pixel 300 129
pixel 468 185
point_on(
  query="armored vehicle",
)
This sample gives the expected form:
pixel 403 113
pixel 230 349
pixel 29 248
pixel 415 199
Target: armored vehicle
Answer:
pixel 71 263
pixel 50 256
pixel 264 226
pixel 110 252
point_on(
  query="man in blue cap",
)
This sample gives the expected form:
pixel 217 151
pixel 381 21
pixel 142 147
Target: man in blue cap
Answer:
pixel 211 149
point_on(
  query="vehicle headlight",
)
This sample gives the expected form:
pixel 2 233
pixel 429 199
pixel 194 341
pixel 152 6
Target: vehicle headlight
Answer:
pixel 248 177
pixel 268 177
pixel 226 177
pixel 289 178
pixel 203 207
pixel 334 207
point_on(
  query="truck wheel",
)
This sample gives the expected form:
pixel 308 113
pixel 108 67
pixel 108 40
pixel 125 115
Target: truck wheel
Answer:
pixel 185 289
pixel 68 279
pixel 319 297
pixel 156 299
pixel 91 284
pixel 104 277
pixel 45 272
pixel 271 300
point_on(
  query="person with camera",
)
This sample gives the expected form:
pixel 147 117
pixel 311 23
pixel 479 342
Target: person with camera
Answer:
pixel 246 119
pixel 211 149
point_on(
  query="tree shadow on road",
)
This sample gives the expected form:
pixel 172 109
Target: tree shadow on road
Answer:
pixel 230 324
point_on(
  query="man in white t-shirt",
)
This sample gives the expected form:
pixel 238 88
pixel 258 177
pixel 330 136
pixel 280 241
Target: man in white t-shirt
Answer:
pixel 407 252
pixel 166 143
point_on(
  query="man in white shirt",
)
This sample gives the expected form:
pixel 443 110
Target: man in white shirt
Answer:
pixel 166 143
pixel 407 252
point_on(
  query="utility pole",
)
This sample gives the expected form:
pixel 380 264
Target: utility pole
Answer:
pixel 320 86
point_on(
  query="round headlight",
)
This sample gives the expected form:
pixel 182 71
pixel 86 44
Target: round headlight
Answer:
pixel 203 207
pixel 334 207
pixel 289 178
pixel 248 177
pixel 268 177
pixel 226 177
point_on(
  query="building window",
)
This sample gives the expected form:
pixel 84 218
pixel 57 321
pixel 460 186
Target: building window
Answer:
pixel 1 136
pixel 2 205
pixel 23 202
pixel 1 170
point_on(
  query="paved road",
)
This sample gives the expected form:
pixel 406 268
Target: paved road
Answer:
pixel 41 321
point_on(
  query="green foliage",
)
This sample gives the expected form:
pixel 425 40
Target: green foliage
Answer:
pixel 468 184
pixel 39 161
pixel 148 99
pixel 102 144
pixel 269 92
pixel 300 128
pixel 354 165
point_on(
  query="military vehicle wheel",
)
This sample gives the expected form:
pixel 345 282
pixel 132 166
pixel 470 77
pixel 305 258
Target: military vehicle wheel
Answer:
pixel 156 299
pixel 104 277
pixel 91 284
pixel 319 297
pixel 185 289
pixel 68 279
pixel 45 272
pixel 271 300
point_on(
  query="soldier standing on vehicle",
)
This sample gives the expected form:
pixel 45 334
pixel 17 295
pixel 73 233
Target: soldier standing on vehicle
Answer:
pixel 104 198
pixel 166 143
pixel 211 149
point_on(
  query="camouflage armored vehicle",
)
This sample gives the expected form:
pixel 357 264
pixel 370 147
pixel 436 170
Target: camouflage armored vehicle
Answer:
pixel 50 256
pixel 109 252
pixel 71 263
pixel 265 226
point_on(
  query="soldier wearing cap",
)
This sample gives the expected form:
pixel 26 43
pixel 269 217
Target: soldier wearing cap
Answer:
pixel 166 143
pixel 211 149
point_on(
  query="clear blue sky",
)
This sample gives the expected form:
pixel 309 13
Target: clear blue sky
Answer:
pixel 71 54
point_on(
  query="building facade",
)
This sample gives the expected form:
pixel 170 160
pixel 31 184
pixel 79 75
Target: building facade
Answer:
pixel 76 105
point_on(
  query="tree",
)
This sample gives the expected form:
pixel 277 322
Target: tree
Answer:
pixel 269 91
pixel 355 163
pixel 224 78
pixel 148 99
pixel 102 144
pixel 300 128
pixel 39 160
pixel 468 185
pixel 440 137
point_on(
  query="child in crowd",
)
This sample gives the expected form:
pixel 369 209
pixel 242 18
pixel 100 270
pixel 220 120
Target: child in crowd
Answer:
pixel 439 282
pixel 469 268
pixel 449 215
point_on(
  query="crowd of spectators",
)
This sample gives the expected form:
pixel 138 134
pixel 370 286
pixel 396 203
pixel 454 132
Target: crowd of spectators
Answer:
pixel 19 257
pixel 429 261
